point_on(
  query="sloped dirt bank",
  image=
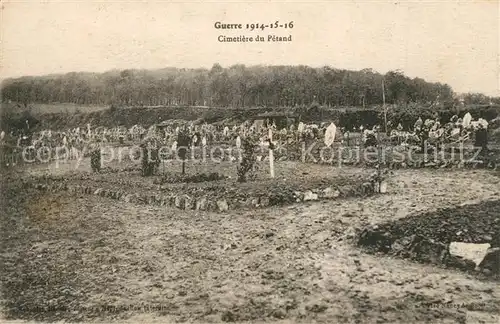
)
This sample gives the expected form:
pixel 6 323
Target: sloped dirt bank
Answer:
pixel 142 116
pixel 426 237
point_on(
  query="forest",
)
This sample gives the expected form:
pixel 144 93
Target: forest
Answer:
pixel 237 86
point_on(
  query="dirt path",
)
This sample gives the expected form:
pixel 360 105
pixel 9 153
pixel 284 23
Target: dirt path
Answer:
pixel 289 264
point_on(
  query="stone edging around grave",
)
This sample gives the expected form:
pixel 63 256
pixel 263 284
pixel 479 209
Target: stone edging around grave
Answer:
pixel 394 165
pixel 185 202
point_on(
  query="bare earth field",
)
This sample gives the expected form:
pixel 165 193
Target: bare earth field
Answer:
pixel 89 258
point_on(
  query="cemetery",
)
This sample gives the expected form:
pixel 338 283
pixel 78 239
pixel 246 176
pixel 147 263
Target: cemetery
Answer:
pixel 250 162
pixel 251 201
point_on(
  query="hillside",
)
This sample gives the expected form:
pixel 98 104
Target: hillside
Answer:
pixel 348 117
pixel 140 115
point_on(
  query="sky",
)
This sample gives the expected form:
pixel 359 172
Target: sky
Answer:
pixel 453 42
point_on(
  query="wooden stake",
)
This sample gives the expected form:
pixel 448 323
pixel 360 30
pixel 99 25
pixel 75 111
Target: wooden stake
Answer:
pixel 379 151
pixel 385 109
pixel 271 155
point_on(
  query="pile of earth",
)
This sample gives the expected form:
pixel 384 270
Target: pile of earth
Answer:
pixel 427 237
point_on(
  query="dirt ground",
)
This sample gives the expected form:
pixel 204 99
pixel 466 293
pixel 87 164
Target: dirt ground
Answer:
pixel 90 258
pixel 290 176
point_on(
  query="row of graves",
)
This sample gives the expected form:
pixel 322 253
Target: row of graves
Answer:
pixel 47 145
pixel 459 142
pixel 248 180
pixel 427 137
pixel 456 131
pixel 291 140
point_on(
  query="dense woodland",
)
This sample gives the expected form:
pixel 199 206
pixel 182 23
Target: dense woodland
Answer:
pixel 237 86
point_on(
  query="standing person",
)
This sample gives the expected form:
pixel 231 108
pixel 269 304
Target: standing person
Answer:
pixel 95 156
pixel 481 139
pixel 198 138
pixel 150 157
pixel 369 138
pixel 346 135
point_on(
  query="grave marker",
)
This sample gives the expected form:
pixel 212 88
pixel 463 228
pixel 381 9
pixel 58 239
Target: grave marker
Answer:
pixel 271 155
pixel 330 134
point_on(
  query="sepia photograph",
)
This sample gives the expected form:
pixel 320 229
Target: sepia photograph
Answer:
pixel 250 161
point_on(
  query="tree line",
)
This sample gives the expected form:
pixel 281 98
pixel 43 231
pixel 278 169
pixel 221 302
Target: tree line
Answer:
pixel 236 86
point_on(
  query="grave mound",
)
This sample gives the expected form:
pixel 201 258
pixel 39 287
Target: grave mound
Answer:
pixel 196 178
pixel 427 237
